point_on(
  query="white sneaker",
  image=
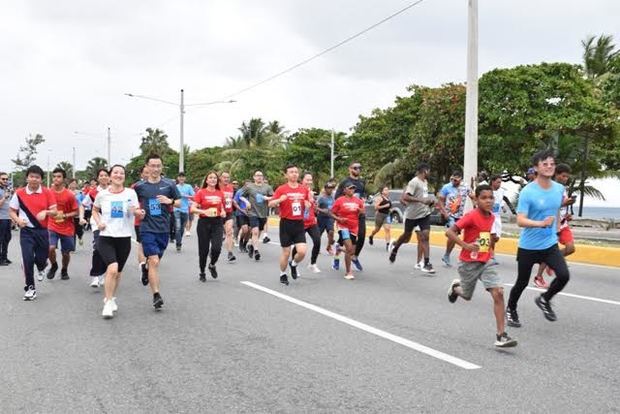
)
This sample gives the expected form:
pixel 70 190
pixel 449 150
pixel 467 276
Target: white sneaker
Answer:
pixel 114 305
pixel 187 233
pixel 314 268
pixel 101 280
pixel 108 310
pixel 40 275
pixel 30 294
pixel 419 266
pixel 349 277
pixel 95 282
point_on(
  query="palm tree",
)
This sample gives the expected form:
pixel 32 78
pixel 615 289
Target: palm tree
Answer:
pixel 597 57
pixel 95 165
pixel 155 142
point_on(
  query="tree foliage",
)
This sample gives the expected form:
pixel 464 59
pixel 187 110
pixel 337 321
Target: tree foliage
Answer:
pixel 28 152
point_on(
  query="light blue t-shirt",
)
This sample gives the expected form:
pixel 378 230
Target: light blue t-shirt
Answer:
pixel 185 190
pixel 537 204
pixel 4 208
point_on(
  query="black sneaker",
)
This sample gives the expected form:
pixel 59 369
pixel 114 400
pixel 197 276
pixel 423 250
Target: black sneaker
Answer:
pixel 52 272
pixel 251 251
pixel 284 279
pixel 393 256
pixel 203 277
pixel 178 249
pixel 4 263
pixel 231 257
pixel 266 239
pixel 512 318
pixel 64 275
pixel 213 271
pixel 293 270
pixel 504 341
pixel 257 255
pixel 452 296
pixel 370 240
pixel 428 268
pixel 545 306
pixel 158 302
pixel 8 261
pixel 144 277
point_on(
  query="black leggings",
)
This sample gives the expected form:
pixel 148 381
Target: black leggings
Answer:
pixel 361 236
pixel 315 235
pixel 210 232
pixel 526 260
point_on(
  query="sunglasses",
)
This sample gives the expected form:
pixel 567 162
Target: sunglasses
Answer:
pixel 356 167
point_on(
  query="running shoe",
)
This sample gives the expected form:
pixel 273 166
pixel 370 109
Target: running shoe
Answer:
pixel 52 272
pixel 256 255
pixel 392 257
pixel 540 282
pixel 108 312
pixel 419 265
pixel 336 264
pixel 114 304
pixel 81 242
pixel 251 251
pixel 101 280
pixel 40 275
pixel 387 246
pixel 294 273
pixel 64 275
pixel 493 262
pixel 512 318
pixel 370 240
pixel 349 277
pixel 266 239
pixel 30 294
pixel 187 233
pixel 452 296
pixel 4 263
pixel 231 257
pixel 158 302
pixel 202 277
pixel 144 274
pixel 284 279
pixel 314 268
pixel 178 249
pixel 446 260
pixel 545 307
pixel 504 341
pixel 428 268
pixel 357 264
pixel 95 282
pixel 213 271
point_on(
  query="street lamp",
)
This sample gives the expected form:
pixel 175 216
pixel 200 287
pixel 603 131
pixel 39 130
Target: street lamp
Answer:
pixel 182 107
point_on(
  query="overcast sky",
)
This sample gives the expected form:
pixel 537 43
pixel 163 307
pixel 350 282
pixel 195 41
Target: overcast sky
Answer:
pixel 67 63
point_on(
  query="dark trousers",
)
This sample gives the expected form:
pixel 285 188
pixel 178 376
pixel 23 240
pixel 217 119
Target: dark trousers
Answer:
pixel 210 231
pixel 180 220
pixel 79 230
pixel 526 260
pixel 361 236
pixel 35 245
pixel 5 238
pixel 315 235
pixel 97 266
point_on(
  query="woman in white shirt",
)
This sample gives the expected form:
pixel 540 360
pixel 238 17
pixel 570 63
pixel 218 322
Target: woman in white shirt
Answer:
pixel 113 212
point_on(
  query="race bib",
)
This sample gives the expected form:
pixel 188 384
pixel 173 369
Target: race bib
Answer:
pixel 59 219
pixel 259 198
pixel 296 207
pixel 116 209
pixel 154 207
pixel 211 212
pixel 484 241
pixel 228 203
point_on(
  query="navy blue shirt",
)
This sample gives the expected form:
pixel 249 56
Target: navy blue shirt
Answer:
pixel 157 218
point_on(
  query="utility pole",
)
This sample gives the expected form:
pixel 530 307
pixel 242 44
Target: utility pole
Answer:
pixel 331 157
pixel 470 163
pixel 181 146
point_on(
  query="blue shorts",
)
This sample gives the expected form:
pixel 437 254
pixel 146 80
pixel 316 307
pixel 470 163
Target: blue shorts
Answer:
pixel 258 222
pixel 67 244
pixel 154 244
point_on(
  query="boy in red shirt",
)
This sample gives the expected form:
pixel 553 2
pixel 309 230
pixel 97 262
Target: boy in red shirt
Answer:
pixel 61 226
pixel 346 211
pixel 293 199
pixel 475 255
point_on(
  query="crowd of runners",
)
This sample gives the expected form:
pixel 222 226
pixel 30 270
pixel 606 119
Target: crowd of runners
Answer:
pixel 158 211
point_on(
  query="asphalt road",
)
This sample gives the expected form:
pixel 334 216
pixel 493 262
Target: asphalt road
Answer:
pixel 225 346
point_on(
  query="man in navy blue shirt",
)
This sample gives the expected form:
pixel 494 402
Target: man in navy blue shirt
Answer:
pixel 158 196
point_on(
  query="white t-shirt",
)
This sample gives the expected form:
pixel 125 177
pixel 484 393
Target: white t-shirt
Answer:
pixel 115 212
pixel 499 199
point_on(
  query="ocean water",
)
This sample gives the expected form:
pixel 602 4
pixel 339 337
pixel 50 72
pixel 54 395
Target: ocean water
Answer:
pixel 599 212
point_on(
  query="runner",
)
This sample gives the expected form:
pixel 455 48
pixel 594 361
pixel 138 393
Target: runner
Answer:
pixel 209 202
pixel 418 213
pixel 562 175
pixel 265 236
pixel 324 217
pixel 355 169
pixel 243 220
pixel 475 256
pixel 229 193
pixel 498 197
pixel 346 211
pixel 97 268
pixel 92 186
pixel 236 229
pixel 79 196
pixel 113 211
pixel 383 205
pixel 452 199
pixel 181 214
pixel 29 208
pixel 310 225
pixel 256 195
pixel 538 214
pixel 144 271
pixel 292 199
pixel 157 195
pixel 5 219
pixel 60 226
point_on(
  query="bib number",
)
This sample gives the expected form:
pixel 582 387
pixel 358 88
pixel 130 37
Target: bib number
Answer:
pixel 484 241
pixel 154 207
pixel 228 203
pixel 116 209
pixel 296 207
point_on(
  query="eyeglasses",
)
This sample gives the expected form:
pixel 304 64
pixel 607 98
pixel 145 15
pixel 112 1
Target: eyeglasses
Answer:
pixel 356 167
pixel 4 179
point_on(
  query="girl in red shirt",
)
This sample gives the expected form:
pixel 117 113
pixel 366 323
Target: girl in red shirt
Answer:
pixel 346 211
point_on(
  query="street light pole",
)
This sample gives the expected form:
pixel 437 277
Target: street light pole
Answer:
pixel 331 157
pixel 470 163
pixel 181 152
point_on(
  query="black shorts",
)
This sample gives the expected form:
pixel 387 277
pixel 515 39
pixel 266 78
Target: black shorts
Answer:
pixel 229 216
pixel 258 222
pixel 424 223
pixel 114 250
pixel 292 232
pixel 242 220
pixel 342 237
pixel 137 230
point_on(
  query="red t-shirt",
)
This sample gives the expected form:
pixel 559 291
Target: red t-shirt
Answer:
pixel 475 225
pixel 348 208
pixel 36 202
pixel 210 200
pixel 293 207
pixel 65 203
pixel 229 193
pixel 310 216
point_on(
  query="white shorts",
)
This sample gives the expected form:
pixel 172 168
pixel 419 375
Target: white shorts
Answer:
pixel 497 226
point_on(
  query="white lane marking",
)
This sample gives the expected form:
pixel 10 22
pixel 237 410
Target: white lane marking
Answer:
pixel 386 335
pixel 572 295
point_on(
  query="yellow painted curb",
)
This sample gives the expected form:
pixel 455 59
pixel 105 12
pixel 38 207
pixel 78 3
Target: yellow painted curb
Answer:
pixel 584 253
